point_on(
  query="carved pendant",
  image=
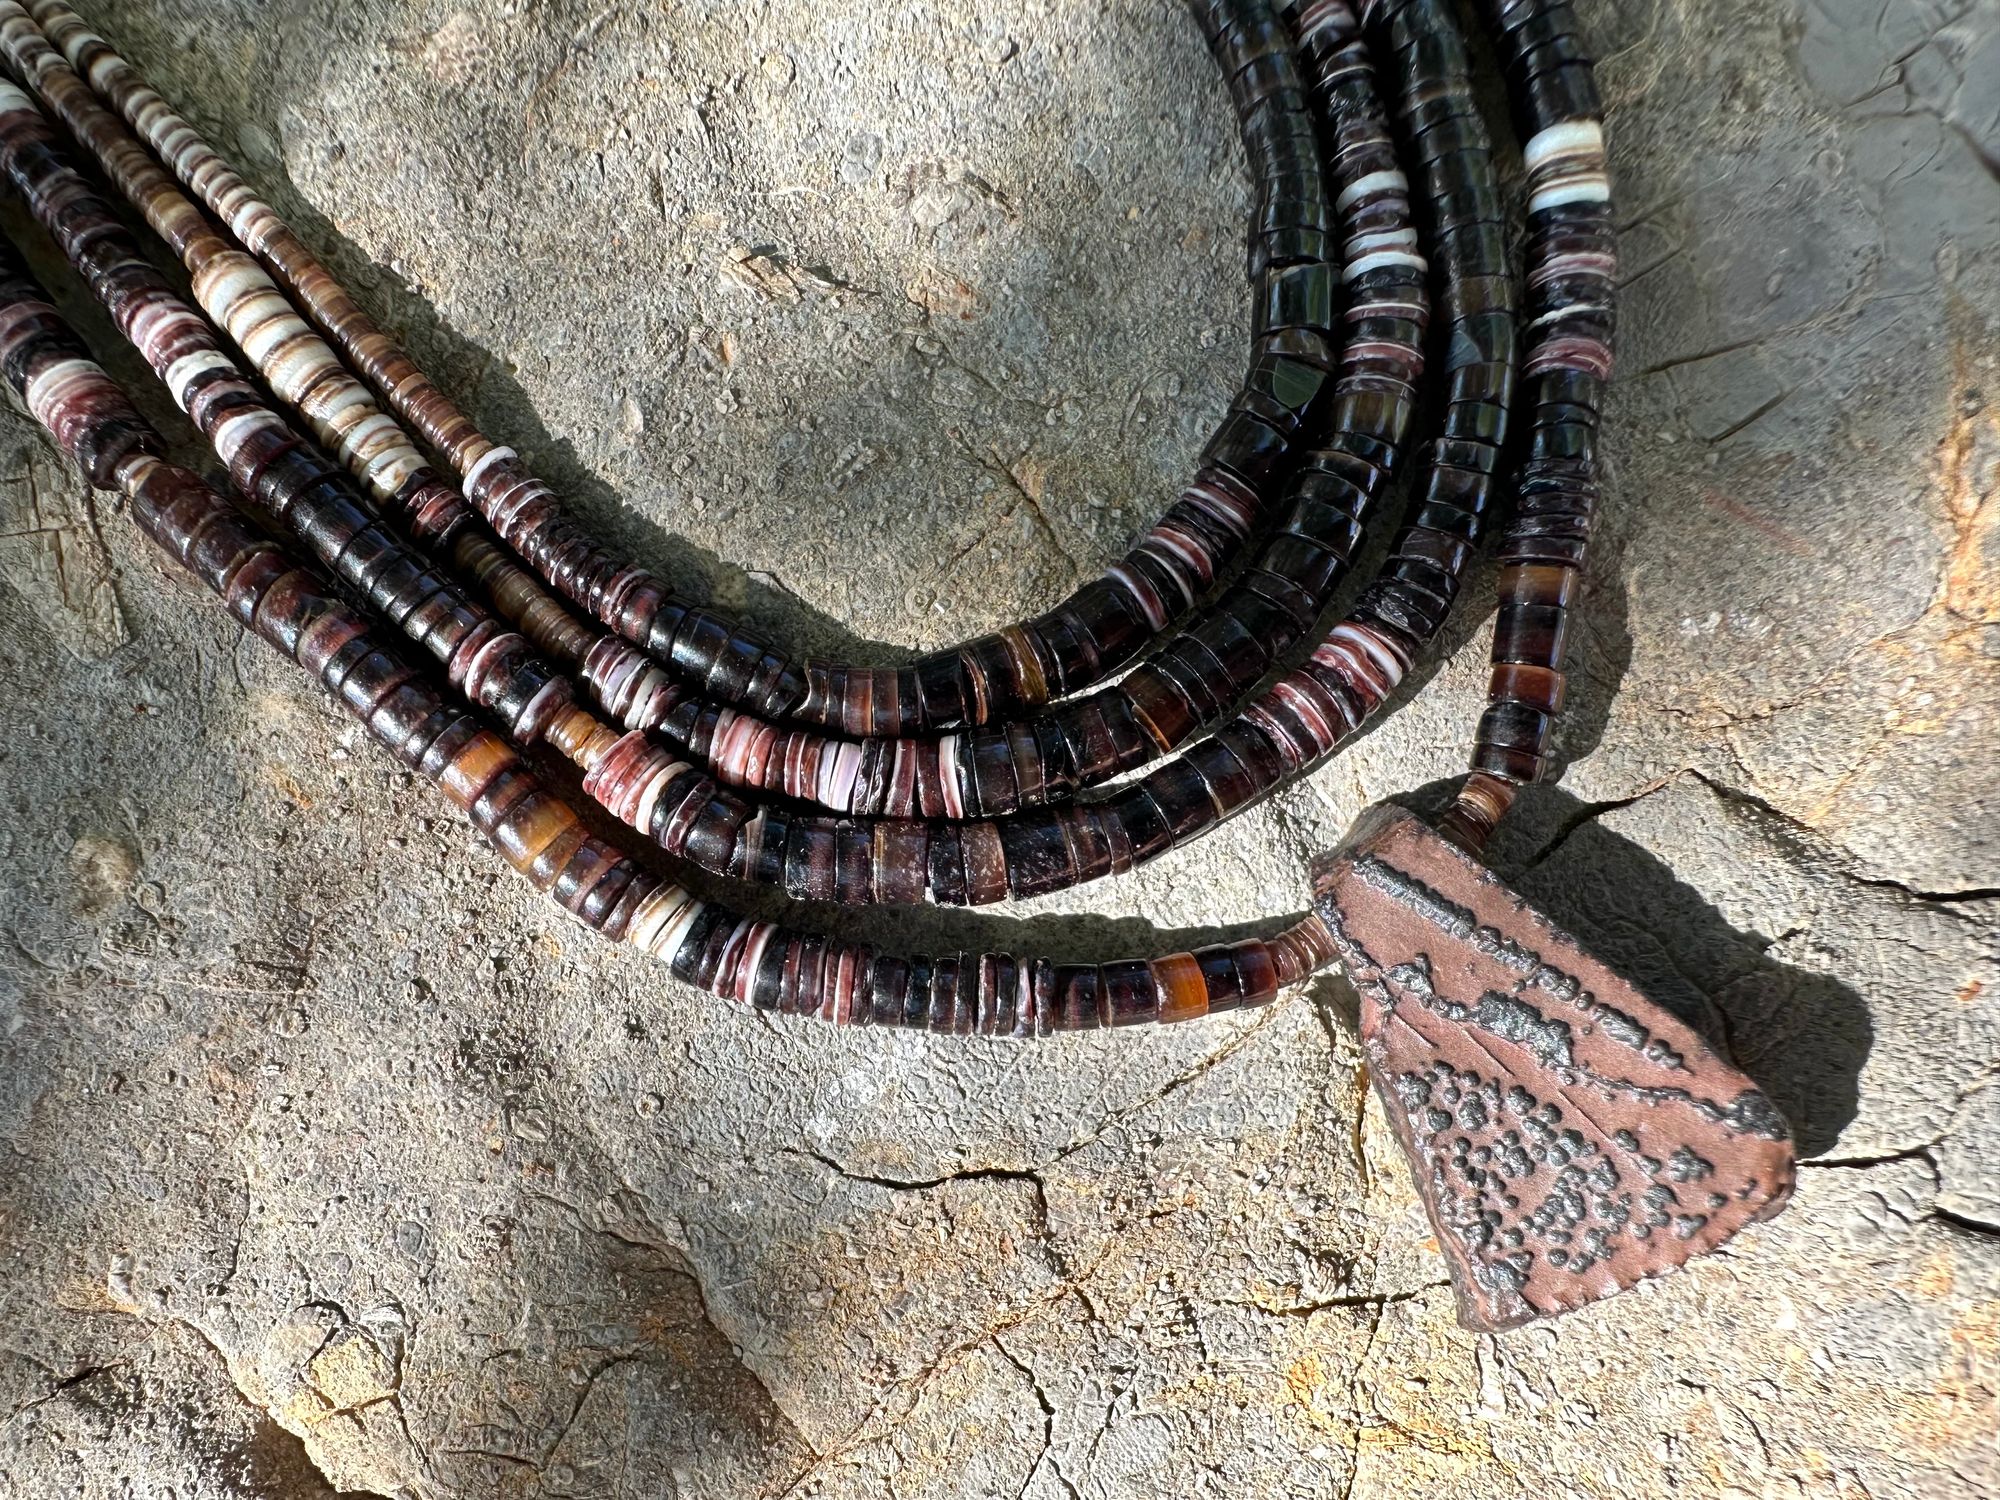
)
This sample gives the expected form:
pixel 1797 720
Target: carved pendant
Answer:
pixel 1568 1135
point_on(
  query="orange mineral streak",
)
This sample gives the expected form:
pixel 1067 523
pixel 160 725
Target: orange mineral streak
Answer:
pixel 1960 1414
pixel 1314 1394
pixel 1969 477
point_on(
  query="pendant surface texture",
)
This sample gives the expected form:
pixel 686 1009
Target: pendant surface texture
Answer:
pixel 1569 1136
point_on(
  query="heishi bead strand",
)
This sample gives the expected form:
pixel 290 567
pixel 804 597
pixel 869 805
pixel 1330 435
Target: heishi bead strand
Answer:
pixel 492 665
pixel 1302 718
pixel 676 804
pixel 997 770
pixel 845 775
pixel 1294 724
pixel 1305 713
pixel 1100 628
pixel 301 370
pixel 1085 742
pixel 1571 287
pixel 733 956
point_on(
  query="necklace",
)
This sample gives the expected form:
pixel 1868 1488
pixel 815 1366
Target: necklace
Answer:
pixel 1568 1136
pixel 646 783
pixel 1001 770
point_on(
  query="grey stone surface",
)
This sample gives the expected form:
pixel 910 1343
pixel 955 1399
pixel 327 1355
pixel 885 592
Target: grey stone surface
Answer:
pixel 330 1159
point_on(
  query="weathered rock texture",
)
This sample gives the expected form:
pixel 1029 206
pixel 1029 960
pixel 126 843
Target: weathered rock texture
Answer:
pixel 331 1159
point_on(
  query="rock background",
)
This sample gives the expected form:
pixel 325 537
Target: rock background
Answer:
pixel 330 1160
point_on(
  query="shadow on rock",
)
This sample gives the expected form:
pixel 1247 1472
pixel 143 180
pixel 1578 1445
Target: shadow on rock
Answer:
pixel 628 1382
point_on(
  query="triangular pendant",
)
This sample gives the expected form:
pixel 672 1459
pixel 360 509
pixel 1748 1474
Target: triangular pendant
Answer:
pixel 1568 1135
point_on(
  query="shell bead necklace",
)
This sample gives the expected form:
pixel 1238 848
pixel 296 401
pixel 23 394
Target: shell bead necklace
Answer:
pixel 1000 769
pixel 666 797
pixel 648 786
pixel 1080 641
pixel 1567 1135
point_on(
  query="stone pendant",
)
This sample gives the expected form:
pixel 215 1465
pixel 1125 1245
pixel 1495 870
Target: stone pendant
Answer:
pixel 1569 1136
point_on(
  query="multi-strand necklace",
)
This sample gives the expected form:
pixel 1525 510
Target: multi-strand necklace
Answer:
pixel 1568 1136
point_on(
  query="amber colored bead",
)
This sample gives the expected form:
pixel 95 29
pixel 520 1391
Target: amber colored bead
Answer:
pixel 1182 990
pixel 1162 711
pixel 1531 584
pixel 472 770
pixel 536 822
pixel 1482 801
